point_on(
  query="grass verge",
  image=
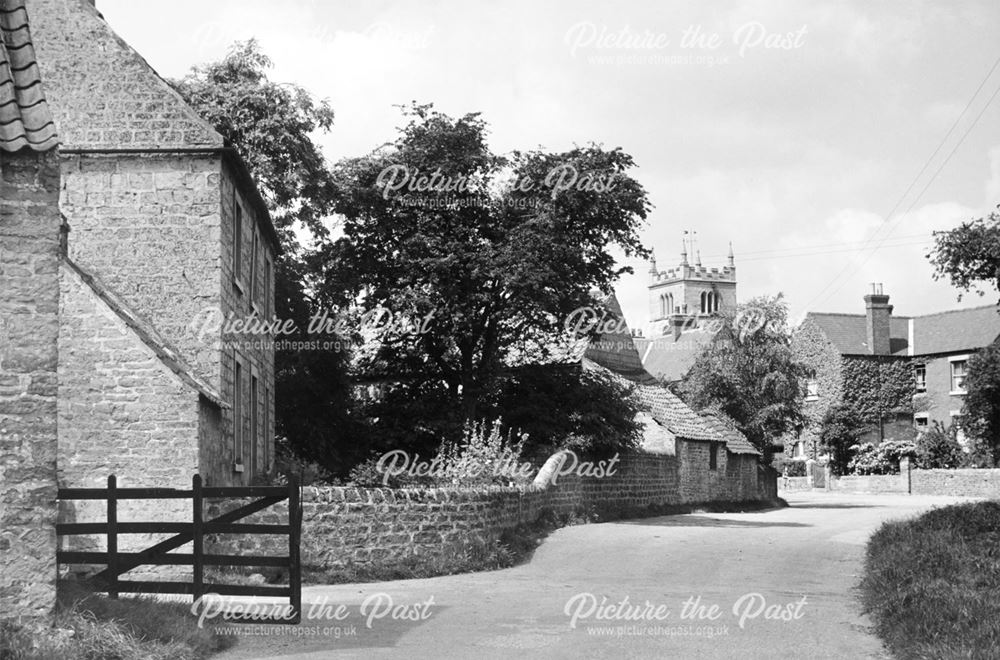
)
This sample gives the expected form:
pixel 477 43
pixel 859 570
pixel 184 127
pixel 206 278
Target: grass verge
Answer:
pixel 932 584
pixel 89 626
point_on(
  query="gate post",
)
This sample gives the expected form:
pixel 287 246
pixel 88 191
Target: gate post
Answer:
pixel 294 541
pixel 112 536
pixel 197 542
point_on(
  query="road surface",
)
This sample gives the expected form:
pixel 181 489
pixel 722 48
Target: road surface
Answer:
pixel 768 584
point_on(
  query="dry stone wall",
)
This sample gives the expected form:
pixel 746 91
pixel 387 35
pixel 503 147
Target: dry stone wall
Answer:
pixel 29 327
pixel 345 526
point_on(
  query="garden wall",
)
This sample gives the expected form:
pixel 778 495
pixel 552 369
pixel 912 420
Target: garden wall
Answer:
pixel 343 526
pixel 970 482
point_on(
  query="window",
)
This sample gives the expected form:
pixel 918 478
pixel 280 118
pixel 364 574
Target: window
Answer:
pixel 268 436
pixel 254 435
pixel 713 458
pixel 920 376
pixel 237 243
pixel 812 389
pixel 956 419
pixel 958 376
pixel 704 302
pixel 921 421
pixel 268 296
pixel 254 289
pixel 237 415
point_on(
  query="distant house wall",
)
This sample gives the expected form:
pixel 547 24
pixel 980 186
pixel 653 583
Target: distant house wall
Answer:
pixel 938 401
pixel 811 347
pixel 29 327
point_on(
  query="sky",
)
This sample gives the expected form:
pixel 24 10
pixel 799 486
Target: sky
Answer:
pixel 826 141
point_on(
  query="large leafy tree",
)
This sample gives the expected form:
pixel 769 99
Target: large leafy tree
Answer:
pixel 495 250
pixel 981 408
pixel 969 255
pixel 750 373
pixel 271 125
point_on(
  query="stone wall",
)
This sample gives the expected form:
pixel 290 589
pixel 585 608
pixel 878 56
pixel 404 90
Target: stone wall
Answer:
pixel 967 483
pixel 122 412
pixel 870 483
pixel 343 526
pixel 29 326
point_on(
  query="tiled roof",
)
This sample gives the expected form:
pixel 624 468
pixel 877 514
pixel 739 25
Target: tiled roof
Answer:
pixel 668 358
pixel 616 350
pixel 722 424
pixel 956 330
pixel 945 332
pixel 25 120
pixel 667 409
pixel 148 335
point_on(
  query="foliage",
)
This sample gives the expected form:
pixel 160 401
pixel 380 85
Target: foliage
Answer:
pixel 494 253
pixel 930 584
pixel 597 412
pixel 101 628
pixel 789 467
pixel 969 255
pixel 938 447
pixel 882 458
pixel 839 432
pixel 750 373
pixel 878 386
pixel 485 455
pixel 981 408
pixel 271 125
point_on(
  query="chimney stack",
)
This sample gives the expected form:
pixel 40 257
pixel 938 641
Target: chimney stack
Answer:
pixel 878 314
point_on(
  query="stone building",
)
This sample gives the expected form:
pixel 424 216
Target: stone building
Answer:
pixel 166 229
pixel 897 372
pixel 683 302
pixel 29 326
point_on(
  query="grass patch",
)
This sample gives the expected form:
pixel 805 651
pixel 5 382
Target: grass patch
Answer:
pixel 89 626
pixel 932 584
pixel 514 546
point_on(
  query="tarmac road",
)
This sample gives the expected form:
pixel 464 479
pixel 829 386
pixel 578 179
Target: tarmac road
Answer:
pixel 781 583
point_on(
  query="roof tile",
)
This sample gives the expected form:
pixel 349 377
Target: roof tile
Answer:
pixel 25 119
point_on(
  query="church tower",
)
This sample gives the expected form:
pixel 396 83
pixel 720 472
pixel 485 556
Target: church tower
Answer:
pixel 688 292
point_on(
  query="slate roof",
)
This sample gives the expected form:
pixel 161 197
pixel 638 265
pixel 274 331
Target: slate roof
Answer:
pixel 148 335
pixel 25 118
pixel 953 331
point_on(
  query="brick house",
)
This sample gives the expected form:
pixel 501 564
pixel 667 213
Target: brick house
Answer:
pixel 897 372
pixel 164 228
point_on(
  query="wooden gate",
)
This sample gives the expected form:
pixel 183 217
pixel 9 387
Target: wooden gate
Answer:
pixel 116 563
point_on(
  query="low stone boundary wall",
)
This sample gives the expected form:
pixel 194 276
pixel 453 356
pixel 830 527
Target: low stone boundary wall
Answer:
pixel 954 482
pixel 342 526
pixel 969 482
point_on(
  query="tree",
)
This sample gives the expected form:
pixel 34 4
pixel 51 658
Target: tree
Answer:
pixel 839 433
pixel 271 126
pixel 749 372
pixel 969 254
pixel 981 408
pixel 496 251
pixel 595 412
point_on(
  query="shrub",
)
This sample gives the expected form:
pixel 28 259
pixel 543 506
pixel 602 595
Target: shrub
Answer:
pixel 789 467
pixel 484 456
pixel 839 434
pixel 938 447
pixel 882 458
pixel 931 584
